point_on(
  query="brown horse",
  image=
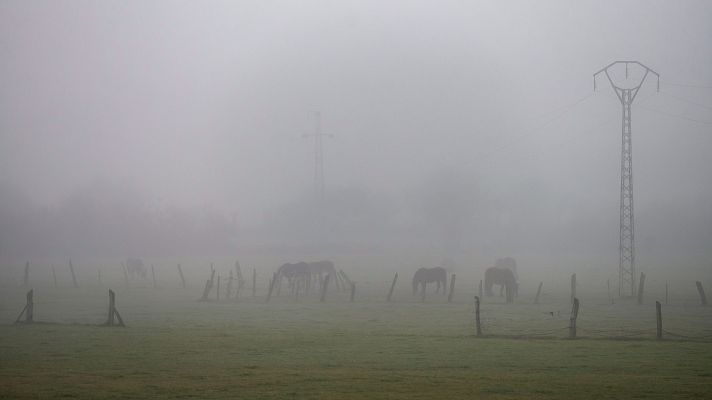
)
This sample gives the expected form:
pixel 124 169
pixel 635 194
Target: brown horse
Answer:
pixel 503 277
pixel 424 276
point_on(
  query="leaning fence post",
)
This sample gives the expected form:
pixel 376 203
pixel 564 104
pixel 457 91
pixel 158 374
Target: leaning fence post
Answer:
pixel 182 278
pixel 659 318
pixel 326 285
pixel 572 321
pixel 353 292
pixel 452 288
pixel 218 291
pixel 74 277
pixel 29 310
pixel 113 312
pixel 393 285
pixel 701 291
pixel 538 292
pixel 641 287
pixel 573 287
pixel 478 325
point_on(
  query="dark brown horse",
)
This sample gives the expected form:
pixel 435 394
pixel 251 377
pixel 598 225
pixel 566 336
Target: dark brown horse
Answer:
pixel 297 272
pixel 424 276
pixel 503 277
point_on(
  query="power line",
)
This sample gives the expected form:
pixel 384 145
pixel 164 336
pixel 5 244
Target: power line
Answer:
pixel 684 100
pixel 688 85
pixel 676 115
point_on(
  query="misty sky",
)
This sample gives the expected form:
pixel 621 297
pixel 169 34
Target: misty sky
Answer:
pixel 204 104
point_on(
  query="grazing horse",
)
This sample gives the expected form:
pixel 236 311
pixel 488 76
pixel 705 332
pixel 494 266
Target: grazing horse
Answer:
pixel 320 269
pixel 294 273
pixel 509 263
pixel 426 275
pixel 503 277
pixel 135 268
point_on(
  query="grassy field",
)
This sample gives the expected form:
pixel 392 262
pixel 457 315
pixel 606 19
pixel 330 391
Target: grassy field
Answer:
pixel 176 347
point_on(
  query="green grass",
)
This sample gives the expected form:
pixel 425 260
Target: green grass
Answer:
pixel 175 347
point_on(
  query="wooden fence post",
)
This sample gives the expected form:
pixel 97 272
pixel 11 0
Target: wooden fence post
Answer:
pixel 153 276
pixel 323 290
pixel 353 292
pixel 218 291
pixel 254 281
pixel 239 277
pixel 479 290
pixel 98 278
pixel 54 276
pixel 452 288
pixel 206 291
pixel 126 274
pixel 27 274
pixel 538 292
pixel 28 310
pixel 182 278
pixel 271 286
pixel 608 284
pixel 228 290
pixel 573 287
pixel 701 291
pixel 74 277
pixel 659 318
pixel 478 325
pixel 393 285
pixel 572 321
pixel 113 312
pixel 641 288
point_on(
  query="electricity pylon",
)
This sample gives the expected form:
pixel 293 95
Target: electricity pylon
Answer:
pixel 319 184
pixel 626 95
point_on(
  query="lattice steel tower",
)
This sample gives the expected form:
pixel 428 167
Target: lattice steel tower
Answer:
pixel 626 95
pixel 319 184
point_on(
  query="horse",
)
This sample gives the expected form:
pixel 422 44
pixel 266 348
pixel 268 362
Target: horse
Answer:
pixel 293 273
pixel 424 276
pixel 320 269
pixel 503 277
pixel 508 262
pixel 135 267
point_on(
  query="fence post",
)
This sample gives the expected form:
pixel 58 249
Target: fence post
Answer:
pixel 113 312
pixel 323 290
pixel 153 276
pixel 98 277
pixel 74 277
pixel 218 291
pixel 239 277
pixel 182 278
pixel 29 310
pixel 452 288
pixel 572 321
pixel 608 284
pixel 271 286
pixel 353 292
pixel 254 281
pixel 477 316
pixel 206 291
pixel 126 274
pixel 659 318
pixel 27 274
pixel 479 290
pixel 393 285
pixel 701 291
pixel 573 287
pixel 538 292
pixel 228 289
pixel 641 287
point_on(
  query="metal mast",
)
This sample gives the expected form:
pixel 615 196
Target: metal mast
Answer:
pixel 626 95
pixel 318 136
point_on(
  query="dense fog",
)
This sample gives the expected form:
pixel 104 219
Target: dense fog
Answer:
pixel 464 130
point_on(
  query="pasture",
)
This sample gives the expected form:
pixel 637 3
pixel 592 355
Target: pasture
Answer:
pixel 176 347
